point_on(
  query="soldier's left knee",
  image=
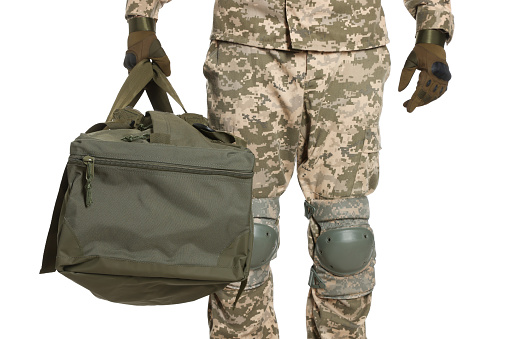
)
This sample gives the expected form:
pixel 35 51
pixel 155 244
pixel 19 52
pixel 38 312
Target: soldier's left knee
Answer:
pixel 345 251
pixel 342 246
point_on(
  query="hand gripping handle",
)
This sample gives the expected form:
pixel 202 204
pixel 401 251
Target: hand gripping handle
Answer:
pixel 146 76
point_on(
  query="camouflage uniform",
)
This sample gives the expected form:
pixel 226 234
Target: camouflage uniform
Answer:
pixel 303 81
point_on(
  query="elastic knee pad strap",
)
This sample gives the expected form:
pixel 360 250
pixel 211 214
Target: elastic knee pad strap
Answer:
pixel 345 251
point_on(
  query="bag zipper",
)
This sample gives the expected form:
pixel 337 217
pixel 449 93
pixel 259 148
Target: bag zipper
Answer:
pixel 89 176
pixel 90 163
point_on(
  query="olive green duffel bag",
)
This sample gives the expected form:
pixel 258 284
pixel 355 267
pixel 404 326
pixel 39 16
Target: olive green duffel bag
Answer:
pixel 155 209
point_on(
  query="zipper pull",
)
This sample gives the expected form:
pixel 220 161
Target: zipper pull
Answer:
pixel 89 176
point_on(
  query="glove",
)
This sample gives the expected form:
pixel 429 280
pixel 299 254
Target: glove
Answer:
pixel 142 43
pixel 428 56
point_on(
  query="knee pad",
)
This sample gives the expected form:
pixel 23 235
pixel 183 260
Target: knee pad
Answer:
pixel 266 231
pixel 265 244
pixel 342 247
pixel 345 251
pixel 265 241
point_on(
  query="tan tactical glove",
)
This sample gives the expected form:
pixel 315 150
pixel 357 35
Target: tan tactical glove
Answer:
pixel 428 56
pixel 142 43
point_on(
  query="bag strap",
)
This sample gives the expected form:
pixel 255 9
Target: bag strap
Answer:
pixel 50 250
pixel 161 128
pixel 225 137
pixel 149 77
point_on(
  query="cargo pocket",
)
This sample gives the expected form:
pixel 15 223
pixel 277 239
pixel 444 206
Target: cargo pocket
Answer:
pixel 366 179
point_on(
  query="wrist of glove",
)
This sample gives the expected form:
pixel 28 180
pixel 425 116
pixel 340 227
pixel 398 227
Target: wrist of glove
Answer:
pixel 142 43
pixel 430 59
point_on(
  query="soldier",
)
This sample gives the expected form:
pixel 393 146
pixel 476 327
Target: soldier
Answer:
pixel 303 81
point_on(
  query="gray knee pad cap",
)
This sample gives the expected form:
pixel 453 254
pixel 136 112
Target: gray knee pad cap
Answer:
pixel 265 244
pixel 345 251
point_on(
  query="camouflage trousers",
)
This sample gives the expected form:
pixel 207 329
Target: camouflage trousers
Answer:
pixel 319 110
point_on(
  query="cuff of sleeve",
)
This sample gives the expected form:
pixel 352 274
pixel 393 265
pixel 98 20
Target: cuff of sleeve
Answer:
pixel 141 8
pixel 435 18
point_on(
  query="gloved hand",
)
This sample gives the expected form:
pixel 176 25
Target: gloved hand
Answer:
pixel 142 43
pixel 428 56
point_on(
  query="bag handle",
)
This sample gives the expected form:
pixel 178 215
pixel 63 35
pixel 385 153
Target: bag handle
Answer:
pixel 149 77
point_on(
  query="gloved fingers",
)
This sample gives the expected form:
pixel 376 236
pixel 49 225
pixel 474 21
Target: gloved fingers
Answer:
pixel 427 90
pixel 164 64
pixel 158 55
pixel 406 77
pixel 419 95
pixel 411 64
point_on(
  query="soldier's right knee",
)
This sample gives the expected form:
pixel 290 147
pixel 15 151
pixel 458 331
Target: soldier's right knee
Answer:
pixel 265 242
pixel 342 247
pixel 265 245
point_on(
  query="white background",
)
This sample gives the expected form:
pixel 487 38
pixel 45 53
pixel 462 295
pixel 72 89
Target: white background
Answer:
pixel 439 214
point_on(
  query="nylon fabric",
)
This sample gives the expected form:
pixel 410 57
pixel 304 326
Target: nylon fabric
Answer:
pixel 130 235
pixel 156 232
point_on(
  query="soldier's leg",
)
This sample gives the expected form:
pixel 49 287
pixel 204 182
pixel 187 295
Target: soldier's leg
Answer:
pixel 256 94
pixel 337 168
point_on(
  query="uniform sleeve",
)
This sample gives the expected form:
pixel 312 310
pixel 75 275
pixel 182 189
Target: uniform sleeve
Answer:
pixel 147 8
pixel 432 14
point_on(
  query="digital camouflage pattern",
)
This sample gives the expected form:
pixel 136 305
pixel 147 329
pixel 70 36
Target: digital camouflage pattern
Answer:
pixel 324 315
pixel 321 110
pixel 432 14
pixel 318 109
pixel 252 318
pixel 254 315
pixel 284 105
pixel 148 8
pixel 321 25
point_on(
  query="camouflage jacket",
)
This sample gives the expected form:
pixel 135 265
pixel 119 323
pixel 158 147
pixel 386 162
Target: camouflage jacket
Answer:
pixel 320 25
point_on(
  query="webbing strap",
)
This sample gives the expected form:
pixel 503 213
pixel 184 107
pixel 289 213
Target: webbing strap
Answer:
pixel 140 78
pixel 111 125
pixel 225 137
pixel 162 81
pixel 50 250
pixel 158 98
pixel 243 285
pixel 344 208
pixel 161 127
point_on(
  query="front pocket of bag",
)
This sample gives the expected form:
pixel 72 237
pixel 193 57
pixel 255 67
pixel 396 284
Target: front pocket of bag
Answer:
pixel 157 216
